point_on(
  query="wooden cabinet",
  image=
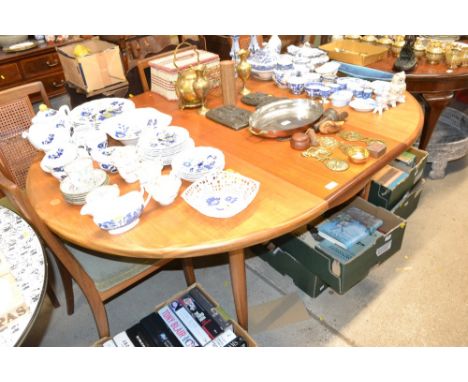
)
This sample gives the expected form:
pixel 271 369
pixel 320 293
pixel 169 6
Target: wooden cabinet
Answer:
pixel 39 64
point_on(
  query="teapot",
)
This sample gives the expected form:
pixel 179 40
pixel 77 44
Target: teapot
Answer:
pixel 113 212
pixel 55 118
pixel 184 84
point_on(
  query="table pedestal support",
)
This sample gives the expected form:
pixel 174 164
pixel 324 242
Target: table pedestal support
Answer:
pixel 239 285
pixel 436 103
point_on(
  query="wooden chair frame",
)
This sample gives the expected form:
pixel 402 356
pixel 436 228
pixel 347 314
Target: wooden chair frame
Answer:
pixel 95 298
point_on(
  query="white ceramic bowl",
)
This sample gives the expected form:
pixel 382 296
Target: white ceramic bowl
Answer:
pixel 341 98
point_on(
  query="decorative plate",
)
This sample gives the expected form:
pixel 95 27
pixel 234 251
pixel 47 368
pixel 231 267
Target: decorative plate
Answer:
pixel 222 194
pixel 97 111
pixel 197 162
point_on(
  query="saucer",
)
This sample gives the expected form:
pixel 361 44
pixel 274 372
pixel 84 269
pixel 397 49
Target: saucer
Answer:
pixel 363 105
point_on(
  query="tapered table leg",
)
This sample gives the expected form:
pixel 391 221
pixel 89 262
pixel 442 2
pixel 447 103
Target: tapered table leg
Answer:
pixel 239 285
pixel 189 273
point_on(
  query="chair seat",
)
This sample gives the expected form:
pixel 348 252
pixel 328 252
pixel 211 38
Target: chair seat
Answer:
pixel 104 270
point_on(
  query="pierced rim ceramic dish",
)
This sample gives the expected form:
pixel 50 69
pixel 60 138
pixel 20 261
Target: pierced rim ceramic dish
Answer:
pixel 222 194
pixel 195 163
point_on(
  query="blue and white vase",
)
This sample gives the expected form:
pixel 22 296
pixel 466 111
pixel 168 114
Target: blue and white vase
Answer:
pixel 253 46
pixel 235 47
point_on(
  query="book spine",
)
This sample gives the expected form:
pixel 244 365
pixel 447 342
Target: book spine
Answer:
pixel 203 317
pixel 159 333
pixel 177 328
pixel 238 342
pixel 190 323
pixel 223 339
pixel 203 301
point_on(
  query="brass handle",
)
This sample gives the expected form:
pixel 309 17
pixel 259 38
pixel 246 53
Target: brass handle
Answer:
pixel 188 44
pixel 2 76
pixel 51 64
pixel 58 84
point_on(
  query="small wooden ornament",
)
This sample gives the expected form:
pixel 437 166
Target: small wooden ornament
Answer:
pixel 300 141
pixel 376 149
pixel 228 82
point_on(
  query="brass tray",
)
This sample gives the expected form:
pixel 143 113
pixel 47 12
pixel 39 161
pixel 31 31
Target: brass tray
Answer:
pixel 284 117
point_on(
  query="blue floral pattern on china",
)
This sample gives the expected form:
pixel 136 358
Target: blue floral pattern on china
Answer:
pixel 221 203
pixel 203 165
pixel 55 155
pixel 121 221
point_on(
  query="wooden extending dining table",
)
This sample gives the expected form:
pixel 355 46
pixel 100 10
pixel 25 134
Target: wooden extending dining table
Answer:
pixel 293 189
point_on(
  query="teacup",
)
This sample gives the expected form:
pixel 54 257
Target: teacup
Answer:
pixel 127 161
pixel 80 171
pixel 296 84
pixel 96 140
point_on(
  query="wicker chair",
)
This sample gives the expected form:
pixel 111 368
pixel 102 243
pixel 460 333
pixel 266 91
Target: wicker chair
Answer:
pixel 99 276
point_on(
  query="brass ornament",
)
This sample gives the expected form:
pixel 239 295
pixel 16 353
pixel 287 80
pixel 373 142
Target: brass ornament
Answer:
pixel 243 70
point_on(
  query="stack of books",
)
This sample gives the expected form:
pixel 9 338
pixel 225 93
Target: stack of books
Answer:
pixel 408 158
pixel 390 177
pixel 348 233
pixel 189 321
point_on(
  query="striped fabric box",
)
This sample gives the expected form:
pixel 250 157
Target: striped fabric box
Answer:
pixel 164 73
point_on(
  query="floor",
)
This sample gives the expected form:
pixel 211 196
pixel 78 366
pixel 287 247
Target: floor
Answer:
pixel 419 297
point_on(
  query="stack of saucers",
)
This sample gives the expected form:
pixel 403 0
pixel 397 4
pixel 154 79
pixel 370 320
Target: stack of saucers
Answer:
pixel 198 162
pixel 164 143
pixel 74 194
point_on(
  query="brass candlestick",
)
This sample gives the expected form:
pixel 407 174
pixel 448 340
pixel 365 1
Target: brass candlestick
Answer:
pixel 201 87
pixel 243 70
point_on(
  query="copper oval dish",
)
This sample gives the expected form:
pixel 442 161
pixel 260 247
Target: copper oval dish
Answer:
pixel 284 118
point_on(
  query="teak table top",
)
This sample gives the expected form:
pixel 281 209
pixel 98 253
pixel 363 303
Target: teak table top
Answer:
pixel 292 189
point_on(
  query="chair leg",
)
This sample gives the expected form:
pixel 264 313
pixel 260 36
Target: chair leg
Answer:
pixel 52 296
pixel 189 271
pixel 51 286
pixel 67 288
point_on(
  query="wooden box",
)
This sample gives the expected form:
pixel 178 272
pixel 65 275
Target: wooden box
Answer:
pixel 354 52
pixel 164 73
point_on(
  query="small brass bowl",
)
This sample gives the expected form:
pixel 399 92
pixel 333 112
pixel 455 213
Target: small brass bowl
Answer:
pixel 357 154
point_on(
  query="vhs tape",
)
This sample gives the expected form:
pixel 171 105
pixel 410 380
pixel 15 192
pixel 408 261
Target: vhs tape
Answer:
pixel 159 333
pixel 177 327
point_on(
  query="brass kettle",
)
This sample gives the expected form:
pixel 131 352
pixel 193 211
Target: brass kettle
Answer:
pixel 186 94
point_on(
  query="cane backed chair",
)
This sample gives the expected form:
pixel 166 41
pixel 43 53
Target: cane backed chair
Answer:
pixel 16 111
pixel 100 277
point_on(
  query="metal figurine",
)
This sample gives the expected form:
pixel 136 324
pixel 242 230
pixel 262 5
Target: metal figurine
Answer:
pixel 243 70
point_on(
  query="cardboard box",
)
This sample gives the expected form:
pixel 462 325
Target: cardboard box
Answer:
pixel 236 327
pixel 341 277
pixel 164 73
pixel 388 198
pixel 409 202
pixel 354 52
pixel 98 70
pixel 280 258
